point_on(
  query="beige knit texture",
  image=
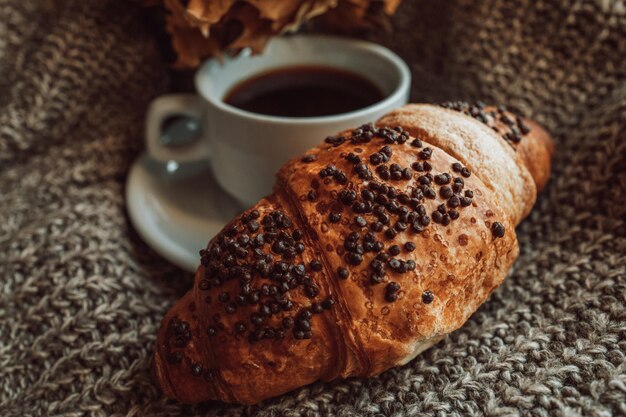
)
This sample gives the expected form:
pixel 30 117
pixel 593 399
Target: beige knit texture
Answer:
pixel 81 297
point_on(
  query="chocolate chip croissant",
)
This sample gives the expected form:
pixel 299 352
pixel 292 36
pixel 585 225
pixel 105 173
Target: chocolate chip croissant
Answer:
pixel 373 247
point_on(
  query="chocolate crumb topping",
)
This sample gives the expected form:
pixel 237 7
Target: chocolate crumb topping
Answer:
pixel 254 267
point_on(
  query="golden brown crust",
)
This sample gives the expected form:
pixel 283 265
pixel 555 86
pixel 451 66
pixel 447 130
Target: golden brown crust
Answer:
pixel 448 268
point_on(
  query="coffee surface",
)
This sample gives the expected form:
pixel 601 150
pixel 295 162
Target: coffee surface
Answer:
pixel 304 91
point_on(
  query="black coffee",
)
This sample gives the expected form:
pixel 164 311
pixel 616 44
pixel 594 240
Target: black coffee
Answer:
pixel 304 91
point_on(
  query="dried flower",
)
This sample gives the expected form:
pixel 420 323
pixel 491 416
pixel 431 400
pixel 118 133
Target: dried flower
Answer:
pixel 202 28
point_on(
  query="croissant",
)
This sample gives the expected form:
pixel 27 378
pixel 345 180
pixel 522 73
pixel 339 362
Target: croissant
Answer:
pixel 373 247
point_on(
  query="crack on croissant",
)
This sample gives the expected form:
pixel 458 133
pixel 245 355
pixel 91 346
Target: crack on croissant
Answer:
pixel 343 333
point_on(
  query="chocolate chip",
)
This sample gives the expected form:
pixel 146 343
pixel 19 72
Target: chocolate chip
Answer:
pixel 265 310
pixel 376 278
pixel 303 324
pixel 497 229
pixel 523 127
pixel 347 197
pixel 316 265
pixel 386 150
pixel 299 247
pixel 390 233
pixel 360 221
pixel 335 140
pixel 376 158
pixel 454 201
pixel 429 193
pixel 328 303
pixel 196 369
pixel 391 291
pixel 427 297
pixel 311 291
pixel 309 158
pixel 401 226
pixel 256 319
pixel 394 264
pixel 394 250
pixel 340 177
pixel 353 158
pixel 354 258
pixel 343 273
pixel 253 298
pixel 418 166
pixel 426 153
pixel 287 322
pixel 376 226
pixel 367 195
pixel 442 179
pixel 383 172
pixel 424 180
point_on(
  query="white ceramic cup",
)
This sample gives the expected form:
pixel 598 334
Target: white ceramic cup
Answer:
pixel 246 149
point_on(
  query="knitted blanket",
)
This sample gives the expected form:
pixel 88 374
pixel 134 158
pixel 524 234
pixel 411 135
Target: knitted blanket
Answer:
pixel 81 296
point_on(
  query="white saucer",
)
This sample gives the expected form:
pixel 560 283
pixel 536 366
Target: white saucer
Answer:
pixel 177 210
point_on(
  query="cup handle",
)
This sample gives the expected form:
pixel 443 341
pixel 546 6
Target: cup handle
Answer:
pixel 171 105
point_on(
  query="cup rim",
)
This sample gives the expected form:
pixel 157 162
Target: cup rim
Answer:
pixel 398 92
